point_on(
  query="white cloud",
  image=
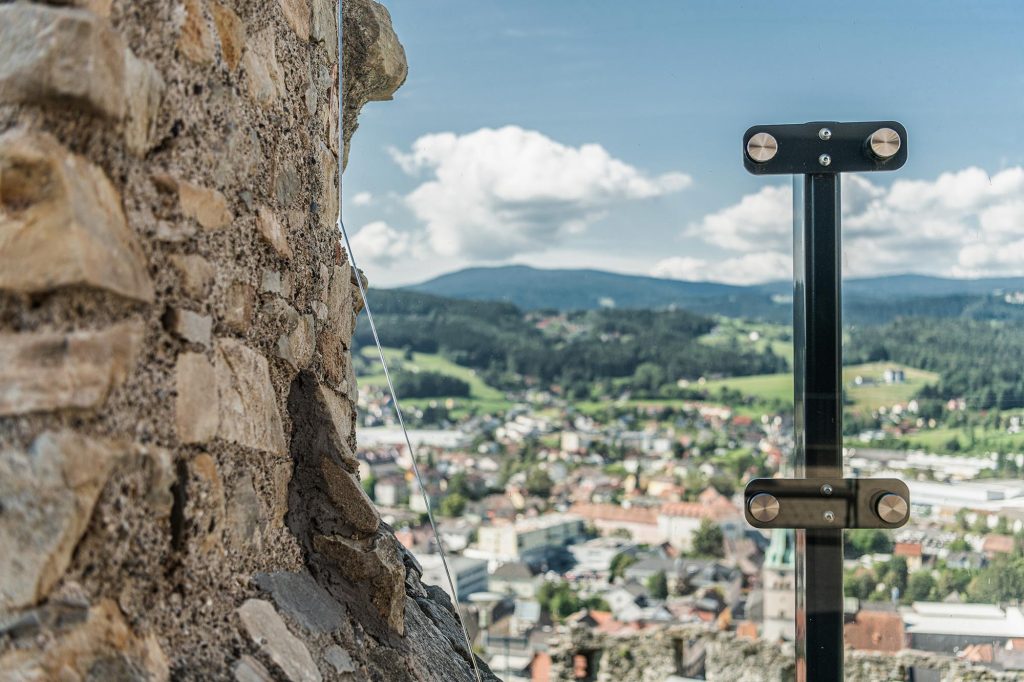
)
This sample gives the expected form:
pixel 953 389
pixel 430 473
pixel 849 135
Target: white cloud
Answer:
pixel 378 243
pixel 362 199
pixel 494 193
pixel 965 223
pixel 750 268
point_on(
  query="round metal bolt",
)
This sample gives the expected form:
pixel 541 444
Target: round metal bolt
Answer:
pixel 825 160
pixel 764 507
pixel 892 508
pixel 826 490
pixel 829 516
pixel 825 134
pixel 762 147
pixel 884 143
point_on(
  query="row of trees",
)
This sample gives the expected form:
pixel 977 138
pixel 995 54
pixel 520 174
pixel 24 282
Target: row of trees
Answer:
pixel 1000 581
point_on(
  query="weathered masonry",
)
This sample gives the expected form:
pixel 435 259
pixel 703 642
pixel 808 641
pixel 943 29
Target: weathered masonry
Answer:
pixel 178 495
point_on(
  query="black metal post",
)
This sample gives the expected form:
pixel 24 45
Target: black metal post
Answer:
pixel 818 402
pixel 819 152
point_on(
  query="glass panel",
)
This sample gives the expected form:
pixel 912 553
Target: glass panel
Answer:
pixel 587 305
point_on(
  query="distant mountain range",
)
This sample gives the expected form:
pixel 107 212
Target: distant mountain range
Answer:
pixel 874 299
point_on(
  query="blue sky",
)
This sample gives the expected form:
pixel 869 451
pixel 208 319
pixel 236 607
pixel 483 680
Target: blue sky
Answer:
pixel 571 133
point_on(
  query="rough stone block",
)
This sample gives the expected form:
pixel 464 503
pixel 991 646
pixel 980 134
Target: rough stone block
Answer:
pixel 248 669
pixel 231 31
pixel 334 340
pixel 375 561
pixel 208 207
pixel 340 659
pixel 58 56
pixel 296 13
pixel 297 347
pixel 48 371
pixel 61 222
pixel 270 282
pixel 196 413
pixel 48 494
pixel 239 307
pixel 210 508
pixel 269 632
pixel 144 93
pixel 104 647
pixel 190 326
pixel 195 273
pixel 264 74
pixel 246 400
pixel 244 519
pixel 349 498
pixel 339 425
pixel 273 232
pixel 324 26
pixel 327 170
pixel 301 598
pixel 196 40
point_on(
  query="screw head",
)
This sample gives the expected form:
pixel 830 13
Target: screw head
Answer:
pixel 764 507
pixel 892 508
pixel 825 134
pixel 884 143
pixel 762 147
pixel 830 516
pixel 825 160
pixel 826 490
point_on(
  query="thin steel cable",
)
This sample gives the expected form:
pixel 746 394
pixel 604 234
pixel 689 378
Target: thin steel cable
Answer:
pixel 380 351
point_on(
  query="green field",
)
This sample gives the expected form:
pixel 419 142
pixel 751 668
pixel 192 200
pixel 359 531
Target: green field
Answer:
pixel 482 397
pixel 869 396
pixel 752 336
pixel 938 440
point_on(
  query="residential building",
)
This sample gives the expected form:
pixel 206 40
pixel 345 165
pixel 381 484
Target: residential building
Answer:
pixel 469 575
pixel 533 540
pixel 514 578
pixel 943 626
pixel 595 556
pixel 641 523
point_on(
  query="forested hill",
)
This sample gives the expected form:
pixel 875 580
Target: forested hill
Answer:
pixel 865 301
pixel 569 349
pixel 982 362
pixel 976 360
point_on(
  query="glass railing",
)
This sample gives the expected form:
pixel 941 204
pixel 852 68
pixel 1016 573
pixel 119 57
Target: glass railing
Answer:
pixel 587 308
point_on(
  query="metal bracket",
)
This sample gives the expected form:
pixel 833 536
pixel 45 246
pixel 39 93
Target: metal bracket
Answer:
pixel 825 147
pixel 827 503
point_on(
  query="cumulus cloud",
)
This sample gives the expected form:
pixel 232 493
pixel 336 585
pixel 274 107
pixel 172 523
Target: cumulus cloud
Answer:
pixel 749 268
pixel 378 243
pixel 495 193
pixel 362 199
pixel 966 224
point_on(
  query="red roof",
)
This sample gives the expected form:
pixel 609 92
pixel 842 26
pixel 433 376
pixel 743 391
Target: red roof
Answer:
pixel 613 512
pixel 1001 544
pixel 911 549
pixel 875 631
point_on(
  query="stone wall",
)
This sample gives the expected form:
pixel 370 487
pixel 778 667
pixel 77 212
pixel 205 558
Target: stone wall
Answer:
pixel 655 655
pixel 178 492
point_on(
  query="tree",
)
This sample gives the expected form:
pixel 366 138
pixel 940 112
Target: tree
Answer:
pixel 867 541
pixel 708 540
pixel 1002 580
pixel 368 485
pixel 919 587
pixel 657 585
pixel 559 599
pixel 859 583
pixel 620 562
pixel 452 505
pixel 538 483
